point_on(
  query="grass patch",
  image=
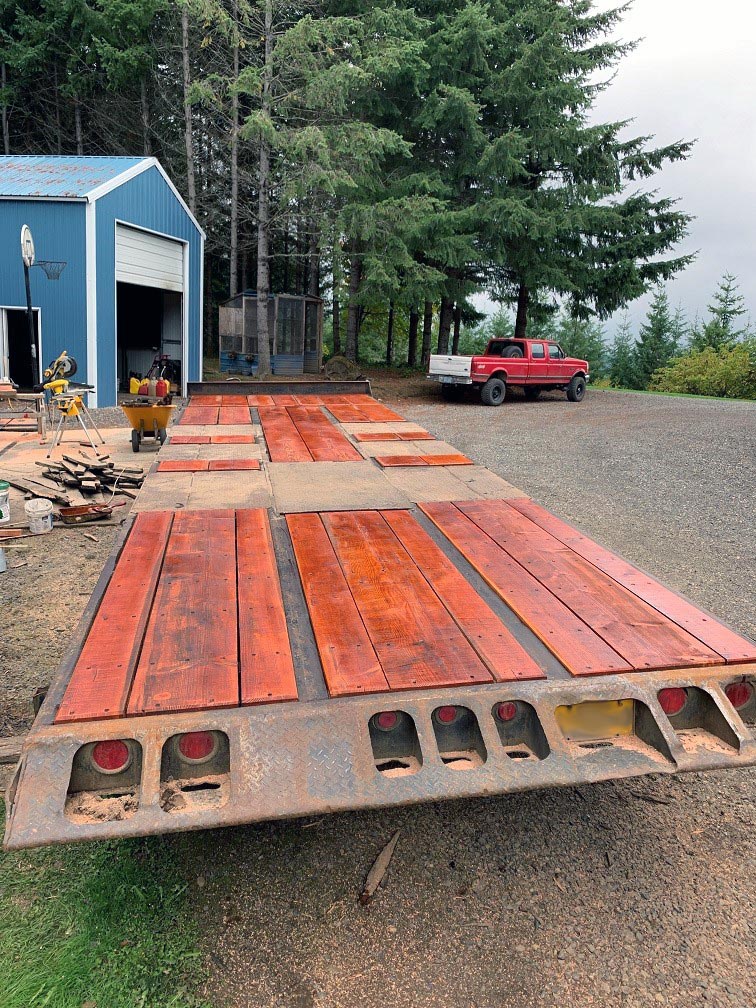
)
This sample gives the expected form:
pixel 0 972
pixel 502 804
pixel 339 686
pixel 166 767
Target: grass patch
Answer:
pixel 103 925
pixel 670 395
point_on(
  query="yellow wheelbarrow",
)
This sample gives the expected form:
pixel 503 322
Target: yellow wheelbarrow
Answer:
pixel 148 420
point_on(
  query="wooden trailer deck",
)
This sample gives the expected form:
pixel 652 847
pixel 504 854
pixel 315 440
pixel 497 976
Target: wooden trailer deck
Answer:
pixel 296 563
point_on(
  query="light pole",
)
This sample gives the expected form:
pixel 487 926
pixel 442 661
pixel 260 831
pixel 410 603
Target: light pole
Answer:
pixel 27 254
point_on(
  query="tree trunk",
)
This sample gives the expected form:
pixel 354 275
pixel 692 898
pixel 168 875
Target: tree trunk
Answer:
pixel 444 325
pixel 233 248
pixel 457 327
pixel 6 130
pixel 414 321
pixel 58 131
pixel 263 209
pixel 427 332
pixel 353 311
pixel 78 128
pixel 390 336
pixel 191 190
pixel 146 142
pixel 313 261
pixel 336 307
pixel 521 322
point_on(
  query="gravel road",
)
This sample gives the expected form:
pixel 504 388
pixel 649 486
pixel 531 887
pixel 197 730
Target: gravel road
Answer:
pixel 621 895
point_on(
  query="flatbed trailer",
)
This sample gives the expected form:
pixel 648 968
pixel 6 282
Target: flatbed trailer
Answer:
pixel 317 606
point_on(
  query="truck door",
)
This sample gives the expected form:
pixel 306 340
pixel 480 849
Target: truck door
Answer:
pixel 557 369
pixel 539 364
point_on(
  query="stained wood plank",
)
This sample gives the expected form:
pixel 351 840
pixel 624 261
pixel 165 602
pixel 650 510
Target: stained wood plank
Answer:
pixel 730 645
pixel 347 413
pixel 233 465
pixel 233 400
pixel 102 675
pixel 388 461
pixel 234 415
pixel 259 400
pixel 284 441
pixel 265 661
pixel 189 658
pixel 206 400
pixel 505 657
pixel 445 460
pixel 324 442
pixel 232 439
pixel 199 415
pixel 416 640
pixel 418 435
pixel 177 439
pixel 376 436
pixel 182 465
pixel 378 413
pixel 644 638
pixel 350 664
pixel 578 648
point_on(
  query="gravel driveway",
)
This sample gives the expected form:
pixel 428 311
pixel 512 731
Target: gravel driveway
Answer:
pixel 623 894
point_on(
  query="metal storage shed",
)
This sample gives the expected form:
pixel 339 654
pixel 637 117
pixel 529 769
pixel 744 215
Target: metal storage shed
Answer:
pixel 132 285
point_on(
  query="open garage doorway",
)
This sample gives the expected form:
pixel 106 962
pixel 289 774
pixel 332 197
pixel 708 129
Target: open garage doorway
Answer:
pixel 16 361
pixel 150 322
pixel 150 304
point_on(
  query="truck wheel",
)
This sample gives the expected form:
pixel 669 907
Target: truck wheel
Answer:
pixel 532 392
pixel 452 393
pixel 576 389
pixel 493 392
pixel 512 351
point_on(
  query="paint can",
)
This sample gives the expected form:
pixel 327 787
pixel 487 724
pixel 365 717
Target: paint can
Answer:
pixel 4 503
pixel 39 515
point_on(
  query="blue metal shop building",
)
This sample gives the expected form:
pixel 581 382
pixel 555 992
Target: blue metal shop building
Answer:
pixel 133 280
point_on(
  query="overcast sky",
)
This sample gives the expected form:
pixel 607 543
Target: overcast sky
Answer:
pixel 693 76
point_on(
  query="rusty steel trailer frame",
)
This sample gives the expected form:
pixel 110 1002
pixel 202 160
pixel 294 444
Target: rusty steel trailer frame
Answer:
pixel 318 754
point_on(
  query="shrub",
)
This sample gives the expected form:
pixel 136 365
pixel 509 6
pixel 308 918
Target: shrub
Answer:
pixel 729 373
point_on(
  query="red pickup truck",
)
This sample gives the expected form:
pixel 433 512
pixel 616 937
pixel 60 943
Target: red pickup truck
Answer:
pixel 535 365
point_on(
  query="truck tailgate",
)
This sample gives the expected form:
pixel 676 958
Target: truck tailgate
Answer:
pixel 442 365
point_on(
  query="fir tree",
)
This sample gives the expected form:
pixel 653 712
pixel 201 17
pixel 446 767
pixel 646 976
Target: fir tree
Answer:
pixel 622 370
pixel 726 309
pixel 657 343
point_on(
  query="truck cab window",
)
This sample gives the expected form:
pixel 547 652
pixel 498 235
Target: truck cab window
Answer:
pixel 555 352
pixel 537 350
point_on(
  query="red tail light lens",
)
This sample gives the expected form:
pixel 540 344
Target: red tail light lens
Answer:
pixel 198 746
pixel 506 711
pixel 672 700
pixel 739 694
pixel 386 720
pixel 111 756
pixel 446 715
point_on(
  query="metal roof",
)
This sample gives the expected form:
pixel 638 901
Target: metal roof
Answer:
pixel 42 175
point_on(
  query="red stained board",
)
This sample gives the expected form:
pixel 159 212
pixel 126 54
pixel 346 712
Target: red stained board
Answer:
pixel 349 661
pixel 100 680
pixel 267 669
pixel 189 658
pixel 576 646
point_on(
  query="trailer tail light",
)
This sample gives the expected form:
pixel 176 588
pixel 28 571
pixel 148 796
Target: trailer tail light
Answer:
pixel 739 694
pixel 672 700
pixel 446 715
pixel 111 756
pixel 506 711
pixel 197 747
pixel 386 720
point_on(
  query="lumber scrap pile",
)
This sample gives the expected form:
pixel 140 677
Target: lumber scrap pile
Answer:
pixel 88 475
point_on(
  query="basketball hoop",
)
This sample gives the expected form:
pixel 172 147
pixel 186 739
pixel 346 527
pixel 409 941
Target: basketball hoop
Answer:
pixel 52 267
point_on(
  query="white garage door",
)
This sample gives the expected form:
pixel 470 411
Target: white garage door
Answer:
pixel 149 259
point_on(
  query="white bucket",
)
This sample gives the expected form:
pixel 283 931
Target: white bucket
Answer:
pixel 4 503
pixel 39 513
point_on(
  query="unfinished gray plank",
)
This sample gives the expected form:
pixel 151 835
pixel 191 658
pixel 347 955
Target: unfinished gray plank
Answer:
pixel 484 483
pixel 332 486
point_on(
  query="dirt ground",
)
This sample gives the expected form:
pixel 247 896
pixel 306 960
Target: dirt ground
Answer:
pixel 621 895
